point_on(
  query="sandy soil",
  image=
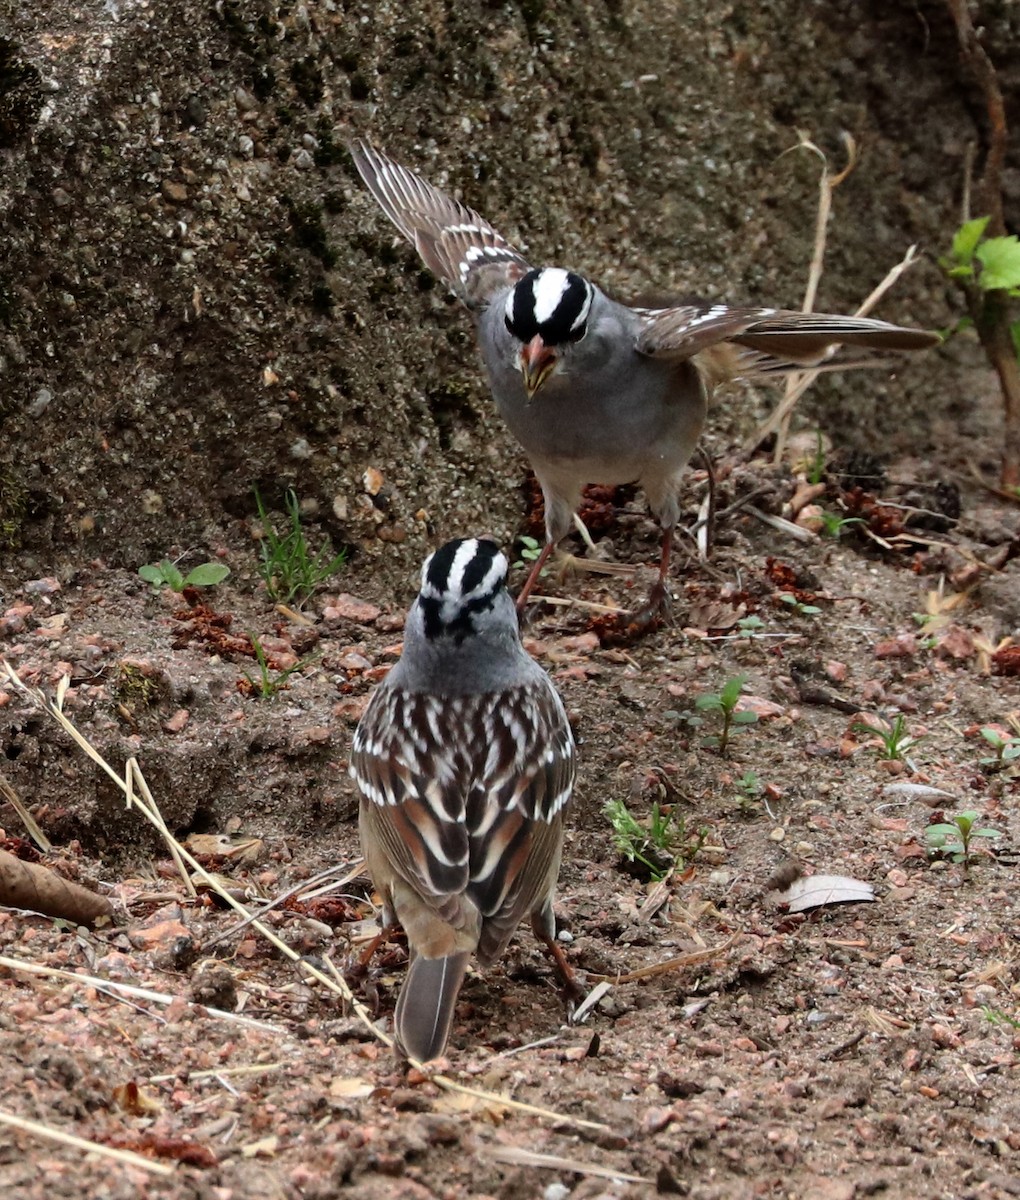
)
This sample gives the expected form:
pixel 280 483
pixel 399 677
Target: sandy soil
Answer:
pixel 846 1051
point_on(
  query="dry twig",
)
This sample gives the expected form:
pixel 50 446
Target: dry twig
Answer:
pixel 128 1157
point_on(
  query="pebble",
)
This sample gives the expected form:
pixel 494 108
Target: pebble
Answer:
pixel 42 587
pixel 175 192
pixel 177 722
pixel 346 607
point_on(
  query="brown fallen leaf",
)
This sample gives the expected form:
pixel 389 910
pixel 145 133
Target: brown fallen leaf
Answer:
pixel 35 887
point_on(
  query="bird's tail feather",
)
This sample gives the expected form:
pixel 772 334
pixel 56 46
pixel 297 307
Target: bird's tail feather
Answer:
pixel 424 1011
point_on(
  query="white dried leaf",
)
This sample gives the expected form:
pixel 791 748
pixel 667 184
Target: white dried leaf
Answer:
pixel 812 891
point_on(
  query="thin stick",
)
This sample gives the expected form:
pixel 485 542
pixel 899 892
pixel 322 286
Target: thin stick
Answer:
pixel 337 986
pixel 807 378
pixel 521 1157
pixel 15 801
pixel 671 964
pixel 827 184
pixel 128 1157
pixel 111 987
pixel 190 1076
pixel 573 602
pixel 134 769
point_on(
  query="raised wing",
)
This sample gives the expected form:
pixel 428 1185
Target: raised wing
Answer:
pixel 781 339
pixel 466 793
pixel 457 244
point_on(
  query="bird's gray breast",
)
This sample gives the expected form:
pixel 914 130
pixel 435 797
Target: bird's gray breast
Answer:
pixel 605 405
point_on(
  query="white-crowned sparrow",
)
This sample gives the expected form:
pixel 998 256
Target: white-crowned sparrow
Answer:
pixel 594 390
pixel 466 763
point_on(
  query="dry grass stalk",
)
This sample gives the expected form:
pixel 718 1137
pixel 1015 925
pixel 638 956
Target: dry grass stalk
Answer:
pixel 114 989
pixel 229 1072
pixel 671 964
pixel 798 382
pixel 15 801
pixel 337 985
pixel 128 1157
pixel 518 1156
pixel 827 184
pixel 38 888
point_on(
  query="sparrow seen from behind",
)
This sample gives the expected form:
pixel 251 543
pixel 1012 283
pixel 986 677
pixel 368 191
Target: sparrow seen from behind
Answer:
pixel 465 761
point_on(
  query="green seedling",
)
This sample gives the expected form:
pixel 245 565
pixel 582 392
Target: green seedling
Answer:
pixel 798 606
pixel 953 838
pixel 751 626
pixel 290 570
pixel 987 271
pixel 269 682
pixel 894 741
pixel 531 548
pixel 660 845
pixel 749 788
pixel 725 703
pixel 817 468
pixel 1006 748
pixel 834 526
pixel 165 574
pixel 995 1016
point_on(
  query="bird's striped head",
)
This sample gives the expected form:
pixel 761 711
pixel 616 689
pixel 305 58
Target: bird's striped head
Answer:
pixel 547 311
pixel 460 583
pixel 552 303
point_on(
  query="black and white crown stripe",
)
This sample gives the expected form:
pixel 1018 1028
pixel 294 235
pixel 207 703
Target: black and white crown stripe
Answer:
pixel 458 581
pixel 551 302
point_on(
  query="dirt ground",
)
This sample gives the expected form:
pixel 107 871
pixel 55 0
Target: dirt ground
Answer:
pixel 846 1051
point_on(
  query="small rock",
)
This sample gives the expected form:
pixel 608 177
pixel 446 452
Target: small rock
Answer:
pixel 194 112
pixel 42 587
pixel 214 987
pixel 350 608
pixel 175 192
pixel 904 646
pixel 351 710
pixel 177 722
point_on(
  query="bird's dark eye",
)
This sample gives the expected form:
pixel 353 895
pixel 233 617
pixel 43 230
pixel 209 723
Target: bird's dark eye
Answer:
pixel 509 325
pixel 575 335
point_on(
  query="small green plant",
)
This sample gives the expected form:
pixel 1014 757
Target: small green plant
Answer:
pixel 894 740
pixel 834 526
pixel 749 788
pixel 798 606
pixel 816 468
pixel 290 570
pixel 725 703
pixel 995 1016
pixel 987 271
pixel 165 574
pixel 660 845
pixel 953 838
pixel 751 626
pixel 1006 748
pixel 531 548
pixel 269 683
pixel 993 264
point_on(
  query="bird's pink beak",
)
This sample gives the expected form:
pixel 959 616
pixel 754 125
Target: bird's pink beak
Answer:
pixel 537 363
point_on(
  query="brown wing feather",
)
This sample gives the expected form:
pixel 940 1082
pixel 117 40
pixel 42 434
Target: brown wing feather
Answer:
pixel 796 338
pixel 479 812
pixel 457 244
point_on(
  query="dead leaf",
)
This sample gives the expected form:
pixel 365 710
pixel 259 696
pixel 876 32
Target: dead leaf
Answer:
pixel 816 890
pixel 264 1148
pixel 135 1100
pixel 956 642
pixel 351 1088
